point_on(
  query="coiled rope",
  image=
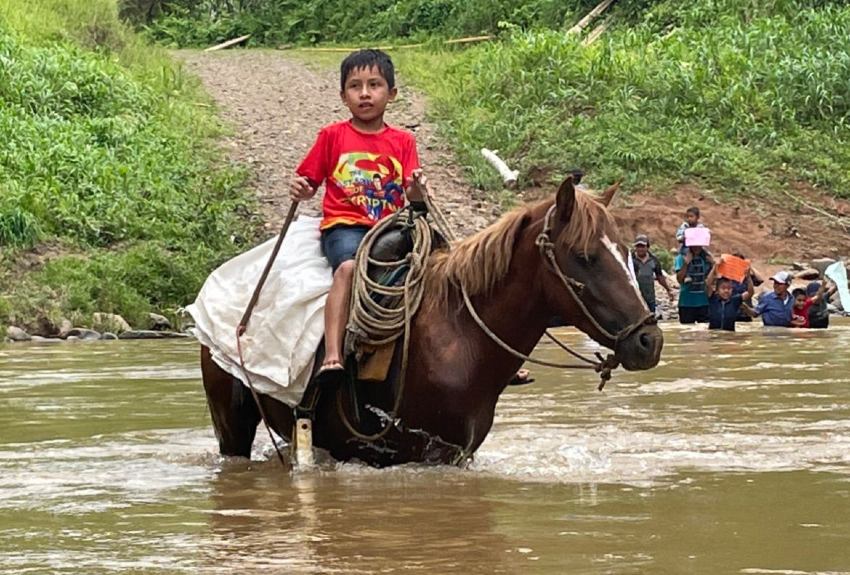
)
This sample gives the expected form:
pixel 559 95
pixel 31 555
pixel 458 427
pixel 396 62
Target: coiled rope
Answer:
pixel 381 322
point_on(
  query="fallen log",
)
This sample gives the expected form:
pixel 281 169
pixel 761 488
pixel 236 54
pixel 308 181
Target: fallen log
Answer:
pixel 582 24
pixel 839 220
pixel 597 32
pixel 509 176
pixel 466 40
pixel 227 44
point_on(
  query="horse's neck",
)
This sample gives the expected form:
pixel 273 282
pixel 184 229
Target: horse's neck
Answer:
pixel 515 311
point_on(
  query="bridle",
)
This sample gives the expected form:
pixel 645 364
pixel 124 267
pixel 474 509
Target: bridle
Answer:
pixel 574 288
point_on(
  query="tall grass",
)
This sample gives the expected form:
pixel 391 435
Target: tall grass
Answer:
pixel 201 22
pixel 719 92
pixel 106 153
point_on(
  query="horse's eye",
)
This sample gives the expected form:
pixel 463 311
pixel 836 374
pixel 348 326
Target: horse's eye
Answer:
pixel 586 258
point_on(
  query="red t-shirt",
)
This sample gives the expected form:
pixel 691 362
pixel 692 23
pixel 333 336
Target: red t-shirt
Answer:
pixel 798 314
pixel 364 174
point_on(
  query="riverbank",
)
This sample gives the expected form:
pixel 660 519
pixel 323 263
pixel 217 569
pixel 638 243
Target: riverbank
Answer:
pixel 114 197
pixel 744 99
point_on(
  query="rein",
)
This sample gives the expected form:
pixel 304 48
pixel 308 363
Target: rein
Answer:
pixel 603 366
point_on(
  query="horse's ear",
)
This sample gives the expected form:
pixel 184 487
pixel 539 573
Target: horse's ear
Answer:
pixel 565 200
pixel 608 194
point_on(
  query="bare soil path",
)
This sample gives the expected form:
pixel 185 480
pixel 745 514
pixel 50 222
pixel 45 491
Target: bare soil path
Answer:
pixel 277 105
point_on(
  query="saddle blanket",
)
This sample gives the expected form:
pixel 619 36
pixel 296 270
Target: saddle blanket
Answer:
pixel 288 321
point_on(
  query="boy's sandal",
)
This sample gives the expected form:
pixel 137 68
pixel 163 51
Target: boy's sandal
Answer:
pixel 329 374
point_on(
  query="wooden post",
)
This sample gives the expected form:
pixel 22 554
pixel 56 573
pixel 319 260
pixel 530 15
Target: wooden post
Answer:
pixel 302 445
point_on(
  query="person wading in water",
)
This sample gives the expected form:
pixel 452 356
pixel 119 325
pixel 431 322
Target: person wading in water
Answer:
pixel 648 271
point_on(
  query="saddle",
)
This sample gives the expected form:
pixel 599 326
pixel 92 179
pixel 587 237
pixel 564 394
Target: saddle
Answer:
pixel 368 365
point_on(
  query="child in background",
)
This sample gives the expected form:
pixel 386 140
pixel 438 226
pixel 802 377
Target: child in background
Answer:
pixel 723 304
pixel 819 312
pixel 802 305
pixel 691 221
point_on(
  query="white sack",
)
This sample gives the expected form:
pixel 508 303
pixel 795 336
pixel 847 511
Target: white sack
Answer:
pixel 288 321
pixel 838 274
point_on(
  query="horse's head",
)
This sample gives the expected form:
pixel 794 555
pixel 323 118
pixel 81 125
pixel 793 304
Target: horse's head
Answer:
pixel 587 281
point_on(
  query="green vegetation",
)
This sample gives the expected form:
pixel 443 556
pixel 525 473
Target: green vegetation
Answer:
pixel 271 22
pixel 737 96
pixel 732 97
pixel 109 176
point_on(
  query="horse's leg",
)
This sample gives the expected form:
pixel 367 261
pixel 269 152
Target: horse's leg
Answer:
pixel 234 412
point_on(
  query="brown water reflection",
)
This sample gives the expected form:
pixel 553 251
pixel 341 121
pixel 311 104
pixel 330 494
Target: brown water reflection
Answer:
pixel 732 456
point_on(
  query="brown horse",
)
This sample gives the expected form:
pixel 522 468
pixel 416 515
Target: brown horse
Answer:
pixel 456 372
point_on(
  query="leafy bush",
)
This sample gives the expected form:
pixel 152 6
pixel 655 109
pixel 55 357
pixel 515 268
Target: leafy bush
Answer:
pixel 105 152
pixel 193 22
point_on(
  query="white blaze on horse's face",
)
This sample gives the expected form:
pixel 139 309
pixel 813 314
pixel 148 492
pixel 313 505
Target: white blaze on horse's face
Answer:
pixel 630 277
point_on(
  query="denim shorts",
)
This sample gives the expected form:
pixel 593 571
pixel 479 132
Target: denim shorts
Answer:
pixel 340 243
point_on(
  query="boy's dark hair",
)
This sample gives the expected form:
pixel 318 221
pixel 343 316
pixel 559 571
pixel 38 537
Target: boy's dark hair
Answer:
pixel 693 210
pixel 721 281
pixel 577 176
pixel 798 292
pixel 366 59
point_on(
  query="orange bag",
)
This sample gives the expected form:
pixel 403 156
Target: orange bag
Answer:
pixel 733 268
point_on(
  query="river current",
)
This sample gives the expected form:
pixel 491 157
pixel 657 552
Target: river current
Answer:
pixel 732 456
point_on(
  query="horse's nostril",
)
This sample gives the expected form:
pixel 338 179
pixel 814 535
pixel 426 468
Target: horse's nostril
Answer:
pixel 645 340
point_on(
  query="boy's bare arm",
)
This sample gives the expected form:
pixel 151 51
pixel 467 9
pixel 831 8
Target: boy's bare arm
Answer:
pixel 711 280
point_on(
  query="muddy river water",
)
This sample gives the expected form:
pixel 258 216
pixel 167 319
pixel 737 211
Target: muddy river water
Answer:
pixel 733 456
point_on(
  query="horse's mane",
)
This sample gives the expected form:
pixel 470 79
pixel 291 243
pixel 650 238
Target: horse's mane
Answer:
pixel 482 260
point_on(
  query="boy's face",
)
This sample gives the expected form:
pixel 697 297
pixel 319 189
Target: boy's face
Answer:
pixel 800 301
pixel 367 94
pixel 724 290
pixel 640 250
pixel 692 219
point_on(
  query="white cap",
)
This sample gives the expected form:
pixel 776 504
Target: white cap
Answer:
pixel 782 277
